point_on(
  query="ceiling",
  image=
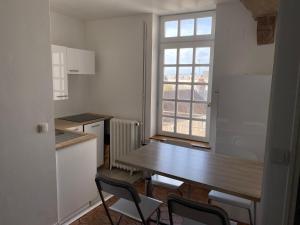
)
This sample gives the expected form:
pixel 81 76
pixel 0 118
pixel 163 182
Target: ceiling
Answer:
pixel 99 9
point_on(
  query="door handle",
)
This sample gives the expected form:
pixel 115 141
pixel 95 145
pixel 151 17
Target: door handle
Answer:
pixel 96 125
pixel 73 70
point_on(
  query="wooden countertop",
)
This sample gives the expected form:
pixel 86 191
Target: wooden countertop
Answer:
pixel 84 137
pixel 64 124
pixel 223 173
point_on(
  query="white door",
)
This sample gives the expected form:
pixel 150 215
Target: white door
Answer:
pixel 59 72
pixel 185 90
pixel 185 74
pixel 98 130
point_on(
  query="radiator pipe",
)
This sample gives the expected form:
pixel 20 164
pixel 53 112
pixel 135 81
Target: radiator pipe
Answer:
pixel 144 82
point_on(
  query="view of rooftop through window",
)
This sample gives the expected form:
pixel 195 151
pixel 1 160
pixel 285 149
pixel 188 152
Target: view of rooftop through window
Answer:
pixel 185 71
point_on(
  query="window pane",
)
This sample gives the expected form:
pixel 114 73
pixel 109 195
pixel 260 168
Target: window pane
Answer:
pixel 171 28
pixel 168 108
pixel 170 56
pixel 186 56
pixel 56 85
pixel 183 109
pixel 56 71
pixel 204 26
pixel 183 126
pixel 167 124
pixel 170 74
pixel 169 91
pixel 200 92
pixel 185 74
pixel 202 55
pixel 184 92
pixel 199 128
pixel 199 110
pixel 187 27
pixel 201 74
pixel 55 58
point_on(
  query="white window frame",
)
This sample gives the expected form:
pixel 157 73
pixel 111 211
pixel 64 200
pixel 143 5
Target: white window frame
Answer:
pixel 185 42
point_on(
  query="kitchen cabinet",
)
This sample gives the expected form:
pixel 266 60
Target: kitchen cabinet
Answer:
pixel 59 72
pixel 98 130
pixel 77 128
pixel 80 61
pixel 76 168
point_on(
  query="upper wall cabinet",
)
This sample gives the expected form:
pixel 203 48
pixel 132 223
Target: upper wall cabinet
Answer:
pixel 80 61
pixel 59 72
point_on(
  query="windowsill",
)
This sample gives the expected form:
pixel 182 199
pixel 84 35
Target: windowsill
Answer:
pixel 197 144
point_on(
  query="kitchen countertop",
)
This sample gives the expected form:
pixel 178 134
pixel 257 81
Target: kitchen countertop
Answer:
pixel 63 125
pixel 76 140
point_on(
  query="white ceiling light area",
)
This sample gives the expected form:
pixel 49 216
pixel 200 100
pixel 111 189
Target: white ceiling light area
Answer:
pixel 99 9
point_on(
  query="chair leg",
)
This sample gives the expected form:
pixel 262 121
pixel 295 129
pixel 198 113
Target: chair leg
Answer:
pixel 250 217
pixel 105 207
pixel 254 213
pixel 157 216
pixel 120 218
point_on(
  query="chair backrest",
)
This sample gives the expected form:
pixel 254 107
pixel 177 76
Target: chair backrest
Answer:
pixel 196 212
pixel 120 189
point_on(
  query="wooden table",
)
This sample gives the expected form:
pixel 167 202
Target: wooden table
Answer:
pixel 223 173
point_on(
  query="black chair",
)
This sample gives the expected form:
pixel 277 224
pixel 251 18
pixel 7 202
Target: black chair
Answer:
pixel 130 204
pixel 195 213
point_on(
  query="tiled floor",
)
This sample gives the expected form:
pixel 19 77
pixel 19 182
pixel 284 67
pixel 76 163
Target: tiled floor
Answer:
pixel 98 216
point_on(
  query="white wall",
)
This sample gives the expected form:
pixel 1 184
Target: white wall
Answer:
pixel 284 117
pixel 241 83
pixel 27 159
pixel 70 32
pixel 238 55
pixel 117 88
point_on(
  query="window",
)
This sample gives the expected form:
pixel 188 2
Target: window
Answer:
pixel 186 62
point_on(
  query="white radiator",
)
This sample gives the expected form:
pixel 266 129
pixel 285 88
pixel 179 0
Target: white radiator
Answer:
pixel 124 138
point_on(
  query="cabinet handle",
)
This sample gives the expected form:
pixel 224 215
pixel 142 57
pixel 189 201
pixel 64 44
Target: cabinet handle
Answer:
pixel 96 125
pixel 73 70
pixel 62 96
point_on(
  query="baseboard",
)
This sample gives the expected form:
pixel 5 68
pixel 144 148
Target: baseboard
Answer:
pixel 83 212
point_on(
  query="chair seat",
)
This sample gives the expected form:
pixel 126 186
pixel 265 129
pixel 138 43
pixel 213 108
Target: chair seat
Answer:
pixel 187 221
pixel 128 208
pixel 166 182
pixel 230 199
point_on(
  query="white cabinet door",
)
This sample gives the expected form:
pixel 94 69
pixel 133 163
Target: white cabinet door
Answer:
pixel 59 72
pixel 80 61
pixel 76 168
pixel 98 130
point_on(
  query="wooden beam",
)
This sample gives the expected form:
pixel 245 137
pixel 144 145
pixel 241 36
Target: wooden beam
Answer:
pixel 260 8
pixel 266 29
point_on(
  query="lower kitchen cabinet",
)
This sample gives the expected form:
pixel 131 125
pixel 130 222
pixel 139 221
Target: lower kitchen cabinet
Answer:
pixel 97 129
pixel 76 168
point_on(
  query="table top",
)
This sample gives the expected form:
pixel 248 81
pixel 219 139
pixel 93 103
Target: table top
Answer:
pixel 214 171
